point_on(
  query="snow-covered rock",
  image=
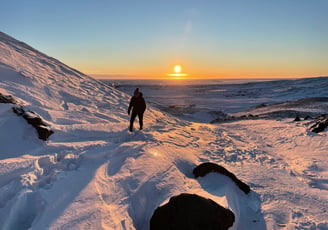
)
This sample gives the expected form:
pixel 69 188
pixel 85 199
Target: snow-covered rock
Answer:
pixel 208 167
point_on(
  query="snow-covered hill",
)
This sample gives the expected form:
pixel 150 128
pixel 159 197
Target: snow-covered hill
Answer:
pixel 93 174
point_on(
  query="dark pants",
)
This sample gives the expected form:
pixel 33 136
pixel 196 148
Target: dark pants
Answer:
pixel 133 117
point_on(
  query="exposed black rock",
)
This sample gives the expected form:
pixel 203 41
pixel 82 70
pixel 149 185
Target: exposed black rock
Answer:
pixel 229 118
pixel 36 121
pixel 207 167
pixel 297 118
pixel 320 124
pixel 44 132
pixel 190 211
pixel 7 99
pixel 308 117
pixel 261 105
pixel 18 110
pixel 33 119
pixel 281 110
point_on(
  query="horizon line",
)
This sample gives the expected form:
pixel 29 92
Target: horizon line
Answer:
pixel 140 77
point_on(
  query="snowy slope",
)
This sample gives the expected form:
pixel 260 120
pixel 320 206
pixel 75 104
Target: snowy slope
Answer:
pixel 93 174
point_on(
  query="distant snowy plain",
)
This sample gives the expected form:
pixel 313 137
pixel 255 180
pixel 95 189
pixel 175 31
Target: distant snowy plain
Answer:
pixel 93 174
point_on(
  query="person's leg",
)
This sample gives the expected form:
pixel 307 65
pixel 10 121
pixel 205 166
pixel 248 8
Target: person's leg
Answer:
pixel 133 117
pixel 140 117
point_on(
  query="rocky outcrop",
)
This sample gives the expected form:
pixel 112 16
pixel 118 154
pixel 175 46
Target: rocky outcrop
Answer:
pixel 190 211
pixel 307 118
pixel 32 118
pixel 229 118
pixel 297 118
pixel 320 124
pixel 7 99
pixel 208 167
pixel 36 121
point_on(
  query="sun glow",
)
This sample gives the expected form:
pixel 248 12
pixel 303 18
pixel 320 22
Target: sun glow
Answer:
pixel 177 72
pixel 177 69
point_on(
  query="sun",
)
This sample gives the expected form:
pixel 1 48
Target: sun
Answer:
pixel 177 69
pixel 178 74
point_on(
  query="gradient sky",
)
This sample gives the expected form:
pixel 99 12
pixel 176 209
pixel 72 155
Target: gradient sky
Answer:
pixel 146 38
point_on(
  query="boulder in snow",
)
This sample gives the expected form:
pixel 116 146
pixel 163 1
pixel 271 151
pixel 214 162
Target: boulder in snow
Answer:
pixel 7 99
pixel 44 132
pixel 18 110
pixel 207 167
pixel 297 118
pixel 320 124
pixel 36 121
pixel 190 211
pixel 307 118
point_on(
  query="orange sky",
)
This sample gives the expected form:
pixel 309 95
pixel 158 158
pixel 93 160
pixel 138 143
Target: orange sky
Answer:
pixel 219 39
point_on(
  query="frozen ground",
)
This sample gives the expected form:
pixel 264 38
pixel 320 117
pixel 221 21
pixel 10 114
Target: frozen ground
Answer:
pixel 93 174
pixel 205 100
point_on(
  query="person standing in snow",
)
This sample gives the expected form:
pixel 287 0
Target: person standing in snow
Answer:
pixel 138 106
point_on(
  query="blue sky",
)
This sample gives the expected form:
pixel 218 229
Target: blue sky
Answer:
pixel 219 38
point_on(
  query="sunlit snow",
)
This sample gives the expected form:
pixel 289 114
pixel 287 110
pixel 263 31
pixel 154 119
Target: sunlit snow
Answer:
pixel 93 174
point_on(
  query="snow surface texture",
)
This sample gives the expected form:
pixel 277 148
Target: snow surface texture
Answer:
pixel 204 101
pixel 93 174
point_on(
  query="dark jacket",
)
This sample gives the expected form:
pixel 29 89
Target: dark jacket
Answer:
pixel 137 104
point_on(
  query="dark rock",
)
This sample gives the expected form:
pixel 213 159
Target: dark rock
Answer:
pixel 33 119
pixel 320 124
pixel 191 212
pixel 297 118
pixel 44 132
pixel 36 121
pixel 208 167
pixel 18 110
pixel 318 127
pixel 308 117
pixel 228 118
pixel 7 99
pixel 261 105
